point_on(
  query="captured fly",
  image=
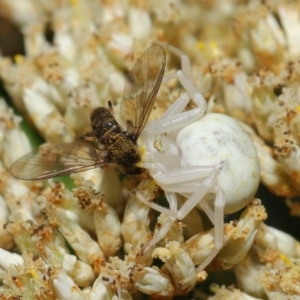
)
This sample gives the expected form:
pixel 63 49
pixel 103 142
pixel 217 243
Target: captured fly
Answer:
pixel 107 143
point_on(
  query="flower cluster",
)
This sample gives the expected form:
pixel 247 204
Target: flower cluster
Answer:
pixel 85 240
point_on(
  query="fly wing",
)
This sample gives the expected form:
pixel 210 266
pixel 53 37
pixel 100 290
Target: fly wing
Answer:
pixel 54 160
pixel 141 87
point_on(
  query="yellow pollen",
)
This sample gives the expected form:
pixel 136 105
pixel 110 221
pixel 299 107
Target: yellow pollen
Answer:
pixel 208 48
pixel 201 46
pixel 152 184
pixel 285 259
pixel 18 58
pixel 33 274
pixel 74 2
pixel 142 150
pixel 298 108
pixel 213 45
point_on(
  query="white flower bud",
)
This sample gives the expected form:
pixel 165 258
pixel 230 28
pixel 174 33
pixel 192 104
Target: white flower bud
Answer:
pixel 155 283
pixel 7 259
pixel 66 288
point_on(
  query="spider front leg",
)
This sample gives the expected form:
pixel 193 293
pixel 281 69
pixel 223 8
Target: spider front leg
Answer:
pixel 171 183
pixel 174 117
pixel 181 180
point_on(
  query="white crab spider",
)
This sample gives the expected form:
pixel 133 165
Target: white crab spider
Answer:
pixel 207 158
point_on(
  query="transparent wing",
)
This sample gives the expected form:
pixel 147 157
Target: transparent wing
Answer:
pixel 141 87
pixel 58 159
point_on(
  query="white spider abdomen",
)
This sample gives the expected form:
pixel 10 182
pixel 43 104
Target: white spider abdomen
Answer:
pixel 220 141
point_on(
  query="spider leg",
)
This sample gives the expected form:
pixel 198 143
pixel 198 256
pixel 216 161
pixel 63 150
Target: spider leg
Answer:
pixel 219 204
pixel 165 227
pixel 174 117
pixel 185 78
pixel 196 198
pixel 219 224
pixel 177 181
pixel 175 121
pixel 185 60
pixel 216 216
pixel 190 203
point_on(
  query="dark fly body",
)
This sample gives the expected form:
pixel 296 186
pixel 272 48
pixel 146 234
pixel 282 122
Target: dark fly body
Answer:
pixel 106 143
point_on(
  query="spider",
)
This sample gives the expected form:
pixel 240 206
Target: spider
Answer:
pixel 207 158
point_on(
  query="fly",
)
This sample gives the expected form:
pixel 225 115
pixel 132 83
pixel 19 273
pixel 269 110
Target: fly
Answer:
pixel 106 143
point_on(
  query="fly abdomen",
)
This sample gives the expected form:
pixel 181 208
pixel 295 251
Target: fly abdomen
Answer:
pixel 123 152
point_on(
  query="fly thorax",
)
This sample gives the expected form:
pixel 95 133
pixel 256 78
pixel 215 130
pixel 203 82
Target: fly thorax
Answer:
pixel 102 122
pixel 112 138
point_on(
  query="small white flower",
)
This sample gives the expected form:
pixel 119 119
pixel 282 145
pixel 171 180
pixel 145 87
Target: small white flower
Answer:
pixel 247 275
pixel 154 282
pixel 179 264
pixel 135 226
pixel 8 259
pixel 66 288
pixel 140 24
pixel 290 20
